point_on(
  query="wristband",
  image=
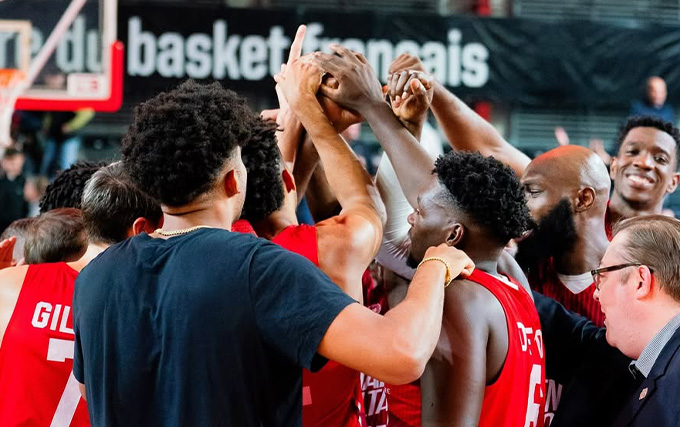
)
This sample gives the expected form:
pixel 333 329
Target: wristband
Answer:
pixel 448 279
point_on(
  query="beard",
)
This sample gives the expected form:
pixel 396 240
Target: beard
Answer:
pixel 411 261
pixel 554 235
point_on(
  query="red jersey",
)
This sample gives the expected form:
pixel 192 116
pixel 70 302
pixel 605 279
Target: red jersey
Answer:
pixel 37 387
pixel 386 404
pixel 332 396
pixel 545 280
pixel 242 226
pixel 517 397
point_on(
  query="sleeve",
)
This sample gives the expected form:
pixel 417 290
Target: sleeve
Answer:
pixel 570 339
pixel 294 303
pixel 78 369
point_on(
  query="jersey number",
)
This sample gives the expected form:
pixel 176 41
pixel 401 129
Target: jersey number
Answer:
pixel 59 351
pixel 533 407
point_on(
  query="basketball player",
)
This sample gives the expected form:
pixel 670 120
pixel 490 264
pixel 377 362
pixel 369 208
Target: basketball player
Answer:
pixel 36 328
pixel 341 246
pixel 567 191
pixel 644 170
pixel 474 203
pixel 236 316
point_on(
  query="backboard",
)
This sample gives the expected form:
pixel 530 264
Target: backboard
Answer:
pixel 85 69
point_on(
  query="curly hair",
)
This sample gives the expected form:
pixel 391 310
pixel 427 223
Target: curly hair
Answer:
pixel 487 191
pixel 66 191
pixel 649 122
pixel 180 140
pixel 261 155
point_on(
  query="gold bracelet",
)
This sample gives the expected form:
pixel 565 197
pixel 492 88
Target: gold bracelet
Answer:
pixel 448 279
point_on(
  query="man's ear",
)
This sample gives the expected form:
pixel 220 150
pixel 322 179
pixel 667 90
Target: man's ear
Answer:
pixel 673 184
pixel 456 234
pixel 585 199
pixel 142 225
pixel 231 183
pixel 645 281
pixel 613 168
pixel 288 180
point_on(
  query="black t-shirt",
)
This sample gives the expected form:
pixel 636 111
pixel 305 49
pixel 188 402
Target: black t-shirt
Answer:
pixel 13 205
pixel 204 329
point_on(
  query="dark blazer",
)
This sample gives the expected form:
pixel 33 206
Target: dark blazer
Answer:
pixel 595 379
pixel 656 402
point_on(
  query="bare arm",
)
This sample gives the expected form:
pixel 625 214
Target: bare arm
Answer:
pixel 348 242
pixel 395 347
pixel 456 376
pixel 465 129
pixel 11 281
pixel 360 90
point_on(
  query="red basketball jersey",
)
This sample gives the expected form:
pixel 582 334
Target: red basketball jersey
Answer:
pixel 37 387
pixel 517 397
pixel 546 281
pixel 332 396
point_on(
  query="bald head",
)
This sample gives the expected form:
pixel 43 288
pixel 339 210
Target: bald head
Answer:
pixel 565 172
pixel 656 91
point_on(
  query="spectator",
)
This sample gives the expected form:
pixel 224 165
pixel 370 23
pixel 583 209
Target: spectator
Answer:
pixel 12 183
pixel 654 103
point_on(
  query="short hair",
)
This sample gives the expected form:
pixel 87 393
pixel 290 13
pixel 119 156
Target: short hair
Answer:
pixel 66 191
pixel 649 122
pixel 654 240
pixel 487 191
pixel 55 236
pixel 20 229
pixel 112 202
pixel 179 141
pixel 262 158
pixel 11 152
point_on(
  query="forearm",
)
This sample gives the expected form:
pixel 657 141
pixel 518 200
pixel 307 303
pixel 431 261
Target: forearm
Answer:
pixel 288 138
pixel 347 178
pixel 417 320
pixel 467 131
pixel 412 164
pixel 306 162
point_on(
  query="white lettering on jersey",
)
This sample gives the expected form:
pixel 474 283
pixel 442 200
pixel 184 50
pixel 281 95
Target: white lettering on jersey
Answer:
pixel 56 317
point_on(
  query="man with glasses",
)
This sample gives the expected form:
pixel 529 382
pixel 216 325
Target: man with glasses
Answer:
pixel 638 287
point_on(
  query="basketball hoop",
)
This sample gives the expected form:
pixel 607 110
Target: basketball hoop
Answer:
pixel 10 89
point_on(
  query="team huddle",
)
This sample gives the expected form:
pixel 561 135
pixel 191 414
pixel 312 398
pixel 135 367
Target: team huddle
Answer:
pixel 177 287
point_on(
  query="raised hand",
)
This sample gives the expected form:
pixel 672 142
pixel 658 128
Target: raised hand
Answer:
pixel 358 85
pixel 411 94
pixel 6 251
pixel 406 61
pixel 300 83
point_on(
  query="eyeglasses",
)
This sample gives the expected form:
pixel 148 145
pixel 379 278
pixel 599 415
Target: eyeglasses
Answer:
pixel 597 278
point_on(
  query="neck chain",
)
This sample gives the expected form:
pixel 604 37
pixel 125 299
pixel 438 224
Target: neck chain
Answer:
pixel 178 232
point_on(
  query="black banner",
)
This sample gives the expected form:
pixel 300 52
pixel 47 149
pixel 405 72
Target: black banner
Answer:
pixel 513 61
pixel 507 60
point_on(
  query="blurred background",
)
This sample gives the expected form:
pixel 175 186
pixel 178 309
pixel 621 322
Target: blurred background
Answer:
pixel 543 72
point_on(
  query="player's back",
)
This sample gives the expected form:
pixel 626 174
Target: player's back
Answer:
pixel 517 396
pixel 205 328
pixel 37 387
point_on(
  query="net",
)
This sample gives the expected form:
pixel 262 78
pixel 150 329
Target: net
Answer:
pixel 10 89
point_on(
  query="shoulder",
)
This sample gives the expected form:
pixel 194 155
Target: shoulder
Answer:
pixel 13 276
pixel 467 300
pixel 350 230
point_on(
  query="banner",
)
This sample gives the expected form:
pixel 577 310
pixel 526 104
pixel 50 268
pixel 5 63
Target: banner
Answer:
pixel 512 61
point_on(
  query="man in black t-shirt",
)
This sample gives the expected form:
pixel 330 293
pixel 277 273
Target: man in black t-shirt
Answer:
pixel 196 326
pixel 13 204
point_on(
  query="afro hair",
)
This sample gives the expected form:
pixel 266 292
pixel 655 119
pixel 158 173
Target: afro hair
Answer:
pixel 264 193
pixel 487 191
pixel 180 140
pixel 66 191
pixel 649 122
